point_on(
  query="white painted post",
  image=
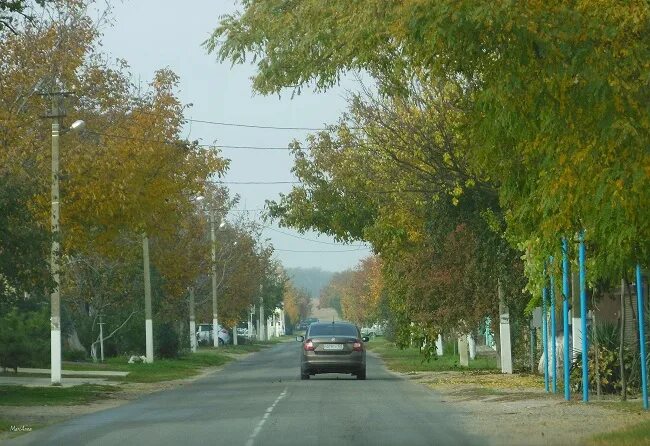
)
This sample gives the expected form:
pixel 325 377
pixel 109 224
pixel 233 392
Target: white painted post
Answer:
pixel 439 348
pixel 192 322
pixel 148 327
pixel 101 338
pixel 250 322
pixel 472 346
pixel 463 351
pixel 234 335
pixel 504 334
pixel 576 331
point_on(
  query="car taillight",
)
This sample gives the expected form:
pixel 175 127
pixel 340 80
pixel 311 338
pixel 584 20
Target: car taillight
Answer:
pixel 309 346
pixel 357 346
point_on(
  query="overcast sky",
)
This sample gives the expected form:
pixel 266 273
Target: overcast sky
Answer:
pixel 152 34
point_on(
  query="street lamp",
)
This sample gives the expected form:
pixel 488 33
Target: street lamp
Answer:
pixel 55 297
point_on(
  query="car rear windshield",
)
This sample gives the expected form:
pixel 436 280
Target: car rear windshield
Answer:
pixel 333 330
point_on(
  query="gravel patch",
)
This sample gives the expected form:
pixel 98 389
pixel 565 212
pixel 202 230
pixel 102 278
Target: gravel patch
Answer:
pixel 515 410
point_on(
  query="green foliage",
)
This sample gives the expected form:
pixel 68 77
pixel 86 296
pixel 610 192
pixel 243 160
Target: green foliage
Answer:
pixel 23 241
pixel 167 344
pixel 555 105
pixel 609 370
pixel 25 337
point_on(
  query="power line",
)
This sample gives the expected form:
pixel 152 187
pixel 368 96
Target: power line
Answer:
pixel 318 251
pixel 256 126
pixel 257 182
pixel 309 239
pixel 172 143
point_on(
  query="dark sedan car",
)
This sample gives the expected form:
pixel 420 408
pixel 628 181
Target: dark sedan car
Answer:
pixel 332 347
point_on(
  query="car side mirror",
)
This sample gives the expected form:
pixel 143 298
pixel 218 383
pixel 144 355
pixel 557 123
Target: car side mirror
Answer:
pixel 300 338
pixel 365 339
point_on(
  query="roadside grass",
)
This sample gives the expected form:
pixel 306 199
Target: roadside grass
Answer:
pixel 54 396
pixel 411 360
pixel 236 349
pixel 161 370
pixel 638 434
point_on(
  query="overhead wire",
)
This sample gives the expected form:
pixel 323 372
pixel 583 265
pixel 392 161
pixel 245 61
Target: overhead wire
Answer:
pixel 309 239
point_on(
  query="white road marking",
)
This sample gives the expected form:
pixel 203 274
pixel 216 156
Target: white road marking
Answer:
pixel 258 428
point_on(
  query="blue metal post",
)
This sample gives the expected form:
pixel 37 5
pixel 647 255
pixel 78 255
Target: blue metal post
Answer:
pixel 545 333
pixel 565 316
pixel 583 316
pixel 553 329
pixel 640 304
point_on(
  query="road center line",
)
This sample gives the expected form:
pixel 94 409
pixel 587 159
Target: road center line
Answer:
pixel 258 428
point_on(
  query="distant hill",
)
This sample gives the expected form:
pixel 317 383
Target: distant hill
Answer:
pixel 312 280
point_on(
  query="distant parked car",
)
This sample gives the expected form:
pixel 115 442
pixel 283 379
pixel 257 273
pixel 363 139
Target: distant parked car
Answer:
pixel 301 326
pixel 204 335
pixel 374 330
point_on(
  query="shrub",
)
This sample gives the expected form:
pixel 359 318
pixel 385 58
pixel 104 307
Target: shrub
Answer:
pixel 25 338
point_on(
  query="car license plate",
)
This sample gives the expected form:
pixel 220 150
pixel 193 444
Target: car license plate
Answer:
pixel 333 347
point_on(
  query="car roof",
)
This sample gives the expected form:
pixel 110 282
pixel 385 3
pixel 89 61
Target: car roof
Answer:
pixel 335 323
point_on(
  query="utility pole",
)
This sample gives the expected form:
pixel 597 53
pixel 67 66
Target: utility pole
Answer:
pixel 56 114
pixel 147 299
pixel 55 309
pixel 192 322
pixel 262 321
pixel 101 338
pixel 215 324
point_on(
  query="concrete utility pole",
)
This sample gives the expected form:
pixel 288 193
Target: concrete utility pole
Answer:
pixel 56 114
pixel 192 322
pixel 504 333
pixel 101 338
pixel 55 309
pixel 215 323
pixel 148 323
pixel 251 312
pixel 262 321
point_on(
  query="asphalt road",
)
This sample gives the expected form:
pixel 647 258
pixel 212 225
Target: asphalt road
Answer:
pixel 262 401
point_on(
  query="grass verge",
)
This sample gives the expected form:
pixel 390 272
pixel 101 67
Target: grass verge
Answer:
pixel 411 360
pixel 638 434
pixel 54 396
pixel 161 370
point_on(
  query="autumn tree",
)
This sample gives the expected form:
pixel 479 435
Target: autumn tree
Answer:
pixel 556 99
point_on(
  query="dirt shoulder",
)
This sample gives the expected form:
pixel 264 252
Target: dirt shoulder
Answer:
pixel 515 409
pixel 28 418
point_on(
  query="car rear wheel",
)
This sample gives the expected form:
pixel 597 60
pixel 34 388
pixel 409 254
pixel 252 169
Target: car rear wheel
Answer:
pixel 304 376
pixel 221 341
pixel 361 374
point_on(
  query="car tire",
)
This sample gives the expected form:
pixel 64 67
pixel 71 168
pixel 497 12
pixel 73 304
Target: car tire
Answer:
pixel 221 341
pixel 304 376
pixel 361 374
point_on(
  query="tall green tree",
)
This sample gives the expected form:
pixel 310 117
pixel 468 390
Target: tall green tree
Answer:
pixel 557 98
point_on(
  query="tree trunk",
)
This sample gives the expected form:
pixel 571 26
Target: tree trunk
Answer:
pixel 634 317
pixel 621 346
pixel 596 353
